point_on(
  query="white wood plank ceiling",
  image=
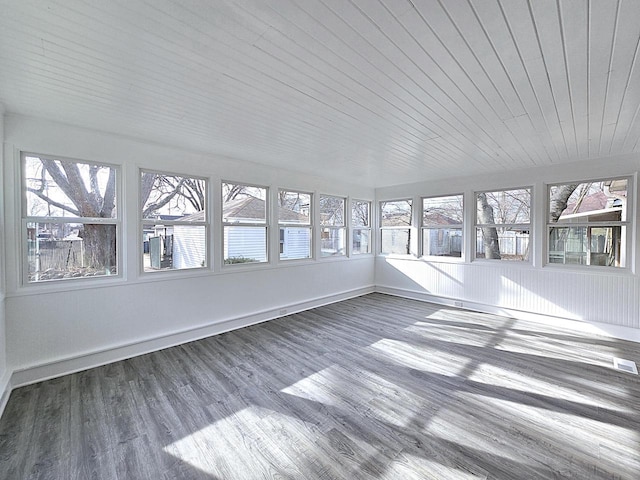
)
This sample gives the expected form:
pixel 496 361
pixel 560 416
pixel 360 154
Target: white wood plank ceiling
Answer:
pixel 381 91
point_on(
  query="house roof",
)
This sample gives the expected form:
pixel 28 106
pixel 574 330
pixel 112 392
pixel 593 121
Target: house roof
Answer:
pixel 595 207
pixel 436 218
pixel 595 201
pixel 248 208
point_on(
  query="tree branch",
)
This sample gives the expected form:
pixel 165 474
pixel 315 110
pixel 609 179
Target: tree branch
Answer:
pixel 41 195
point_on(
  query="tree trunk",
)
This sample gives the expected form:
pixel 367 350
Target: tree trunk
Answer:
pixel 100 247
pixel 558 201
pixel 489 234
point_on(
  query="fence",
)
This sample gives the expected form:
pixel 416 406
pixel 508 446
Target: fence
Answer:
pixel 55 254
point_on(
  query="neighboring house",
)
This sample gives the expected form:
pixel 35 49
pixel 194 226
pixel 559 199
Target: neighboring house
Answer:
pixel 157 241
pixel 603 245
pixel 241 240
pixel 189 243
pixel 442 235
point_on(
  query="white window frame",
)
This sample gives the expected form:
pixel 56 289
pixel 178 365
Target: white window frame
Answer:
pixel 309 226
pixel 333 227
pixel 399 227
pixel 424 227
pixel 518 226
pixel 356 228
pixel 627 225
pixel 205 223
pixel 27 219
pixel 265 224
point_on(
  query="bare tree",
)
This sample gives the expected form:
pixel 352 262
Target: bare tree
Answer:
pixel 159 191
pixel 360 213
pixel 231 191
pixel 87 199
pixel 489 234
pixel 559 198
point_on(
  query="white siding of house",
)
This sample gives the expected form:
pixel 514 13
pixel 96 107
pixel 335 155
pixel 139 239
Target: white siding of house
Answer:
pixel 296 243
pixel 246 242
pixel 189 246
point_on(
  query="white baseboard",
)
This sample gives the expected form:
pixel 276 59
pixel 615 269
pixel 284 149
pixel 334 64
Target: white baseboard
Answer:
pixel 580 326
pixel 76 363
pixel 5 391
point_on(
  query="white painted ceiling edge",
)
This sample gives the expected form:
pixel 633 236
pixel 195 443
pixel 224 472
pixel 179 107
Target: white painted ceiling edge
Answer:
pixel 380 92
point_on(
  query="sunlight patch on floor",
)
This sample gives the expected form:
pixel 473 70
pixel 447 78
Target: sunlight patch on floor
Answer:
pixel 524 382
pixel 586 431
pixel 402 353
pixel 407 466
pixel 317 387
pixel 233 443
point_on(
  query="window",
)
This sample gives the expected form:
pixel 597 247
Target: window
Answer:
pixel 332 226
pixel 395 227
pixel 174 221
pixel 294 221
pixel 361 227
pixel 245 223
pixel 70 219
pixel 442 226
pixel 587 223
pixel 503 224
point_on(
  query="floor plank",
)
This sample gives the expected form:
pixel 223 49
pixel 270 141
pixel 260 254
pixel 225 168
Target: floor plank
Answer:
pixel 376 387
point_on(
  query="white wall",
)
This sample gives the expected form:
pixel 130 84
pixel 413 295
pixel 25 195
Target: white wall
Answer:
pixel 607 298
pixel 56 328
pixel 4 371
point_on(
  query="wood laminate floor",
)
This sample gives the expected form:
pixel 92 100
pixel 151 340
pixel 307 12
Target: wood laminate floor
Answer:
pixel 375 387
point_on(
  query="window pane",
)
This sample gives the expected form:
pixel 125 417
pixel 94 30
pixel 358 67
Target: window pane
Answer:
pixel 603 201
pixel 568 245
pixel 173 197
pixel 174 247
pixel 331 210
pixel 361 241
pixel 442 211
pixel 65 188
pixel 70 250
pixel 502 243
pixel 446 242
pixel 604 243
pixel 244 244
pixel 243 204
pixel 503 207
pixel 332 241
pixel 396 241
pixel 294 207
pixel 396 213
pixel 360 212
pixel 295 242
pixel 586 246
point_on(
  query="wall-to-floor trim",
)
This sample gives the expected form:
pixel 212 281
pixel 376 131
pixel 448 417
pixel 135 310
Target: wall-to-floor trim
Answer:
pixel 64 366
pixel 5 391
pixel 595 328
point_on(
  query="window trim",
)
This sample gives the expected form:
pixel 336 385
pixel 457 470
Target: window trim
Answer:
pixel 142 222
pixel 423 227
pixel 409 227
pixel 523 226
pixel 310 226
pixel 353 228
pixel 628 225
pixel 342 227
pixel 266 225
pixel 25 219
